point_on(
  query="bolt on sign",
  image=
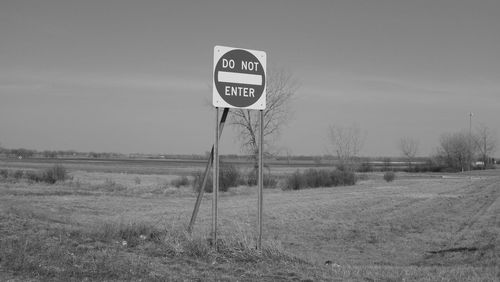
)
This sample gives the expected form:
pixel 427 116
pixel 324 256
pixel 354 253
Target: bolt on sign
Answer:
pixel 239 78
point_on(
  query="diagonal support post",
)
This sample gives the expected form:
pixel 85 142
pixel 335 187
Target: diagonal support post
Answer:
pixel 205 175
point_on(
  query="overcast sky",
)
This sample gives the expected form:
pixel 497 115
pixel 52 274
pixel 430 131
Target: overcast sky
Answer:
pixel 136 76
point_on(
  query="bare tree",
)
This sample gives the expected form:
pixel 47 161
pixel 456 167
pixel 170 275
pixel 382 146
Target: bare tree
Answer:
pixel 409 148
pixel 280 88
pixel 347 143
pixel 286 153
pixel 486 142
pixel 454 150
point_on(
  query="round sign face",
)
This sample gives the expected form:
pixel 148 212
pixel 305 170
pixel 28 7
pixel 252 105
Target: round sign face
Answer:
pixel 240 78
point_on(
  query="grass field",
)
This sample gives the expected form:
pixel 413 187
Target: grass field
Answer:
pixel 126 222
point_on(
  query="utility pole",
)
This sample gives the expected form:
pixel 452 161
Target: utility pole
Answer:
pixel 470 140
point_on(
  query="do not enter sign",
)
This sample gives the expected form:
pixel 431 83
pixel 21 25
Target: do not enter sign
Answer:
pixel 239 78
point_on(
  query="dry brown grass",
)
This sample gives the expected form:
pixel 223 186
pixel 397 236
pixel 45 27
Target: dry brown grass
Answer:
pixel 414 228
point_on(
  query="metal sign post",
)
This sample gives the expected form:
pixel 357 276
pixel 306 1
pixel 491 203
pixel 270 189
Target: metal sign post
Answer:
pixel 239 81
pixel 215 186
pixel 261 178
pixel 201 190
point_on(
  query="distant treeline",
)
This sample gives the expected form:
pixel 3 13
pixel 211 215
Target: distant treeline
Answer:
pixel 23 153
pixel 363 164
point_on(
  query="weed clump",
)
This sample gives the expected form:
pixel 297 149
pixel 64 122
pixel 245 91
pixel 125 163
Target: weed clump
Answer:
pixel 109 185
pixel 313 178
pixel 4 173
pixel 229 176
pixel 137 180
pixel 55 173
pixel 269 180
pixel 18 174
pixel 180 181
pixel 295 181
pixel 317 178
pixel 50 175
pixel 389 176
pixel 33 176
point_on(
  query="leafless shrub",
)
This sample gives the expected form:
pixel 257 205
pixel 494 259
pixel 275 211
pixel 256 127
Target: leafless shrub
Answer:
pixel 4 173
pixel 409 148
pixel 389 176
pixel 346 143
pixel 55 173
pixel 229 176
pixel 180 181
pixel 137 180
pixel 485 141
pixel 454 150
pixel 269 181
pixel 313 178
pixel 18 174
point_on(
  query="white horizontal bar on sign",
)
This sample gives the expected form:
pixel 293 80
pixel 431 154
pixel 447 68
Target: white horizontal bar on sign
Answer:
pixel 237 77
